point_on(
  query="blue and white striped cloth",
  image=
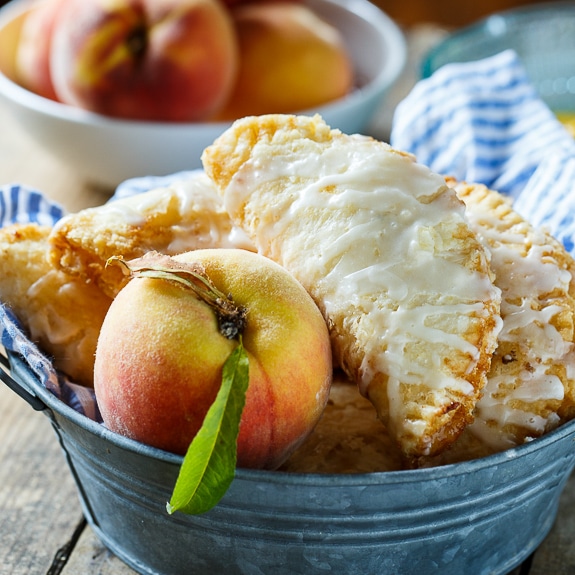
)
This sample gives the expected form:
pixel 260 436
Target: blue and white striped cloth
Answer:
pixel 19 204
pixel 481 122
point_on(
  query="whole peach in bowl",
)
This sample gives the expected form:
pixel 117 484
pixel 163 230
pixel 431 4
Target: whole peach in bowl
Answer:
pixel 172 61
pixel 271 37
pixel 106 147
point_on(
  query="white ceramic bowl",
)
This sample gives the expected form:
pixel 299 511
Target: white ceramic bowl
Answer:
pixel 107 151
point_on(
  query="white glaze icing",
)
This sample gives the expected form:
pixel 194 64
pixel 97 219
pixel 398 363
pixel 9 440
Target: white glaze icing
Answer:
pixel 526 274
pixel 380 214
pixel 199 218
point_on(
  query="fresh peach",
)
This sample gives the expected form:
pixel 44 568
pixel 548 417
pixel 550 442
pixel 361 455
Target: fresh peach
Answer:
pixel 290 60
pixel 169 60
pixel 34 45
pixel 160 355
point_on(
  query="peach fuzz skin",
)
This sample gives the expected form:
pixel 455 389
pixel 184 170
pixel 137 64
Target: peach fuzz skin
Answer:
pixel 34 46
pixel 290 60
pixel 160 356
pixel 154 60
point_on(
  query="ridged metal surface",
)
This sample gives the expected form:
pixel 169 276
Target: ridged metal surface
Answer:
pixel 480 517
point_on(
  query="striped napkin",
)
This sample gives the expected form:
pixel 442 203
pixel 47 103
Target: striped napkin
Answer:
pixel 19 204
pixel 481 122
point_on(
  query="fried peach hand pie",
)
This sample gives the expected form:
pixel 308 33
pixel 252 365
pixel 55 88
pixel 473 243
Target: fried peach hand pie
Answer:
pixel 383 246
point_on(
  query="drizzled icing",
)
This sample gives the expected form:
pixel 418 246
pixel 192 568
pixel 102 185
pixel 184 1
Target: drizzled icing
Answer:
pixel 365 229
pixel 198 218
pixel 527 273
pixel 49 320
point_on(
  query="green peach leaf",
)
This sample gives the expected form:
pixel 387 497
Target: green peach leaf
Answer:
pixel 209 465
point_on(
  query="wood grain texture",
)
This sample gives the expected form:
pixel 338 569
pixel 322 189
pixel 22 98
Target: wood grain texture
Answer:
pixel 556 555
pixel 39 508
pixel 92 557
pixel 446 12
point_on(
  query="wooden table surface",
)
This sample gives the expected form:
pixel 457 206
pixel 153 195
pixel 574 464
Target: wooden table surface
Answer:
pixel 42 530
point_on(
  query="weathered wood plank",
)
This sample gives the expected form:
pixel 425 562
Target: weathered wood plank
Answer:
pixel 38 498
pixel 90 556
pixel 556 555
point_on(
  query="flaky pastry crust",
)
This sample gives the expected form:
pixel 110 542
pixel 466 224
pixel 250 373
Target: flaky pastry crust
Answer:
pixel 184 216
pixel 63 314
pixel 530 386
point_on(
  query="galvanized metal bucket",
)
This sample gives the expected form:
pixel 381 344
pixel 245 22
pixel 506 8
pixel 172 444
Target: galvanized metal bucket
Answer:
pixel 481 517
